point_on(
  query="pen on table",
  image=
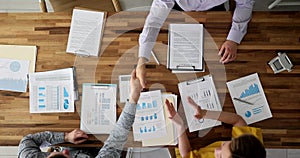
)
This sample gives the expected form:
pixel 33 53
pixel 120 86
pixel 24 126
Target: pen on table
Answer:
pixel 238 99
pixel 155 58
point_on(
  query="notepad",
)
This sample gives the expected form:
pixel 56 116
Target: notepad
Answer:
pixel 185 48
pixel 86 32
pixel 203 91
pixel 98 108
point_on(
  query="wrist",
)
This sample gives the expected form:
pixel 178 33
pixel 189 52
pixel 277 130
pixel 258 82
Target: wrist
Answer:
pixel 133 99
pixel 66 139
pixel 142 61
pixel 203 113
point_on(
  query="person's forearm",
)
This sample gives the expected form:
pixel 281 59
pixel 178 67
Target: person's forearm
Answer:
pixel 158 13
pixel 118 136
pixel 30 145
pixel 226 117
pixel 183 142
pixel 241 17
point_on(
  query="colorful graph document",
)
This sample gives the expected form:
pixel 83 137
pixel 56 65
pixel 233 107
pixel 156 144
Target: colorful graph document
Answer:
pixel 249 98
pixel 149 120
pixel 52 91
pixel 185 51
pixel 14 75
pixel 171 137
pixel 98 108
pixel 204 93
pixel 86 32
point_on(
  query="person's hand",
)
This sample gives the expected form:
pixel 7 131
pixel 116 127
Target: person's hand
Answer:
pixel 77 136
pixel 141 71
pixel 173 115
pixel 65 153
pixel 135 87
pixel 228 52
pixel 199 113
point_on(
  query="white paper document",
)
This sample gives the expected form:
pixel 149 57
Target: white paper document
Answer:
pixel 249 98
pixel 52 91
pixel 149 118
pixel 86 32
pixel 98 108
pixel 124 85
pixel 204 93
pixel 185 51
pixel 14 75
pixel 171 137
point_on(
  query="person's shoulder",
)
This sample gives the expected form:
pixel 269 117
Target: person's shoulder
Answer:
pixel 241 130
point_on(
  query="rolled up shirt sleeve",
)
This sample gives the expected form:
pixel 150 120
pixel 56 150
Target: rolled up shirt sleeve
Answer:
pixel 159 11
pixel 241 17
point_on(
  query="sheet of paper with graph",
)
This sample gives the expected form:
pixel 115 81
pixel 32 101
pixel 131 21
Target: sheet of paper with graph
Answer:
pixel 203 91
pixel 249 98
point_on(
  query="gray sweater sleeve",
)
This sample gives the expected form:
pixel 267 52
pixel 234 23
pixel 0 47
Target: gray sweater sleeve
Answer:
pixel 113 146
pixel 30 145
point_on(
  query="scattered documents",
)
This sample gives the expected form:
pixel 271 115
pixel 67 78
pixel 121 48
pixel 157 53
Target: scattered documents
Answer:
pixel 18 52
pixel 185 53
pixel 148 153
pixel 124 85
pixel 14 75
pixel 204 93
pixel 52 91
pixel 149 119
pixel 171 137
pixel 98 108
pixel 86 32
pixel 249 98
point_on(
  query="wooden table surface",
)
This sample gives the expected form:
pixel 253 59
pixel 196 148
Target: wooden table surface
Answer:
pixel 268 33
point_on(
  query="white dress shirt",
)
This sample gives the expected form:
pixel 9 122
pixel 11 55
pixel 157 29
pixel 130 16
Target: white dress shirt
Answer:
pixel 160 10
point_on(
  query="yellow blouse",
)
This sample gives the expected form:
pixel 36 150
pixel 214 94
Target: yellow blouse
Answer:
pixel 208 151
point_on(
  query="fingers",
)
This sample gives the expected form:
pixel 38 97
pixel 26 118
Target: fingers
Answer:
pixel 133 74
pixel 221 50
pixel 192 102
pixel 143 82
pixel 170 109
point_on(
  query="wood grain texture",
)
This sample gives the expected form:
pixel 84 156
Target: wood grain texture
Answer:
pixel 268 32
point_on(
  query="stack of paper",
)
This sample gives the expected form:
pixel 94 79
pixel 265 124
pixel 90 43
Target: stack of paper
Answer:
pixel 86 32
pixel 152 125
pixel 149 120
pixel 185 48
pixel 98 108
pixel 171 137
pixel 249 98
pixel 52 91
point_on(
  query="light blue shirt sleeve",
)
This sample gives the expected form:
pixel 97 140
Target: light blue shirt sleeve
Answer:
pixel 113 146
pixel 160 10
pixel 241 17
